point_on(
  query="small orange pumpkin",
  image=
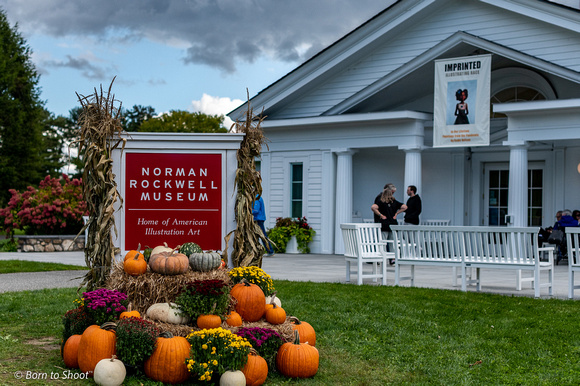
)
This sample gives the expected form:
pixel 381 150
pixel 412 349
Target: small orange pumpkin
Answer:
pixel 97 342
pixel 275 315
pixel 305 330
pixel 130 313
pixel 208 321
pixel 251 300
pixel 234 319
pixel 167 363
pixel 70 352
pixel 134 253
pixel 135 266
pixel 297 360
pixel 255 369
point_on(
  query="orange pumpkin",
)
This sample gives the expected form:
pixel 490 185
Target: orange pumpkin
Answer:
pixel 167 363
pixel 255 369
pixel 135 266
pixel 250 299
pixel 208 321
pixel 97 342
pixel 70 352
pixel 130 313
pixel 134 253
pixel 169 263
pixel 305 330
pixel 297 360
pixel 275 315
pixel 234 319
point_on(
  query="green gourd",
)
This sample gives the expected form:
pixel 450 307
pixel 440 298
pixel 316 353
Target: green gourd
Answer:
pixel 205 261
pixel 188 248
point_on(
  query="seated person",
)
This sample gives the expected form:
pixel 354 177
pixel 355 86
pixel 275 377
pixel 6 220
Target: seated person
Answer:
pixel 566 221
pixel 576 215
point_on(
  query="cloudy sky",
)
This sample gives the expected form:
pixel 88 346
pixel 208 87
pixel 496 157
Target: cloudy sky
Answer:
pixel 196 55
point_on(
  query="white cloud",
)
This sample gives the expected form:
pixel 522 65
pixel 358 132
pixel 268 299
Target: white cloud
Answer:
pixel 212 105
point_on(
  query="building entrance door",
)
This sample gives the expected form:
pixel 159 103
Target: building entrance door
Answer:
pixel 496 193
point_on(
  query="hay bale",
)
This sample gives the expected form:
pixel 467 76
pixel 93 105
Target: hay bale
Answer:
pixel 150 288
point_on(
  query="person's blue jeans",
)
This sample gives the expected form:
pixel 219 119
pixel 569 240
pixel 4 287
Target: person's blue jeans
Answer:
pixel 269 246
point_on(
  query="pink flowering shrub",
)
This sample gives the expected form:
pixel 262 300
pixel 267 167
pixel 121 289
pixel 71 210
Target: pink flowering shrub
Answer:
pixel 55 208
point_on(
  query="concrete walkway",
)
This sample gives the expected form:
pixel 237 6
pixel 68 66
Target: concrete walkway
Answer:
pixel 310 267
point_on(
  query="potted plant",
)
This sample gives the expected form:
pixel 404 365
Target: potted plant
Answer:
pixel 287 228
pixel 202 297
pixel 135 341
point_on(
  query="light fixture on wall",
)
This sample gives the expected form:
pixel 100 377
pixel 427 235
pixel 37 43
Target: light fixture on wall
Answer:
pixel 579 168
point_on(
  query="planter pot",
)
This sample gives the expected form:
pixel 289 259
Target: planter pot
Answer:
pixel 292 246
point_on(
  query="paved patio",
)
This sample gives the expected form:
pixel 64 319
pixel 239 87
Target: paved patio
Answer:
pixel 310 267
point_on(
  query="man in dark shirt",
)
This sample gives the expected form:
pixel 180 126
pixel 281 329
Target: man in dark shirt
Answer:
pixel 413 206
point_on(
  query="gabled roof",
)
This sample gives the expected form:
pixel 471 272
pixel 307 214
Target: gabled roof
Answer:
pixel 379 29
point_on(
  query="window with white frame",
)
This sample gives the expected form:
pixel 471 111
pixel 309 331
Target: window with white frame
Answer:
pixel 296 189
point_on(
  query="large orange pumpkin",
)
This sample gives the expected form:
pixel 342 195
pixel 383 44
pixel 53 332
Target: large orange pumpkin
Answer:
pixel 305 330
pixel 255 369
pixel 251 300
pixel 297 360
pixel 167 363
pixel 97 342
pixel 70 352
pixel 169 263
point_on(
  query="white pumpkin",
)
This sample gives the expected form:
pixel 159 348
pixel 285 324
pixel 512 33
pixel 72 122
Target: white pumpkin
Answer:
pixel 275 299
pixel 109 372
pixel 233 378
pixel 161 248
pixel 167 312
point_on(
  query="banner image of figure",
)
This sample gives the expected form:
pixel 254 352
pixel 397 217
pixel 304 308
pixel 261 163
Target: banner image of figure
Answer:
pixel 461 109
pixel 457 122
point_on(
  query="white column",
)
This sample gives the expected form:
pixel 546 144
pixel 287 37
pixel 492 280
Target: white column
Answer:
pixel 412 169
pixel 518 184
pixel 343 207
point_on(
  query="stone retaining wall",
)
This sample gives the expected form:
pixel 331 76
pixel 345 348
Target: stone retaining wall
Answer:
pixel 50 243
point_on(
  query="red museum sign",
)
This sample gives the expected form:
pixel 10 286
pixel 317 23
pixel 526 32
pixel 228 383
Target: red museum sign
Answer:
pixel 173 198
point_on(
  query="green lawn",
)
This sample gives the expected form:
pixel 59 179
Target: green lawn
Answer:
pixel 366 335
pixel 12 266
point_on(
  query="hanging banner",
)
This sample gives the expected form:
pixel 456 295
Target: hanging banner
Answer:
pixel 461 101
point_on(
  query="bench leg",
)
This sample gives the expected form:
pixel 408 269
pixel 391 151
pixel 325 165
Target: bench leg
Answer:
pixel 384 269
pixel 570 284
pixel 359 278
pixel 538 287
pixel 412 276
pixel 478 279
pixel 347 271
pixel 463 278
pixel 397 273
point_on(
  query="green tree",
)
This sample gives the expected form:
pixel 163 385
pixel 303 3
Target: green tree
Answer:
pixel 22 114
pixel 179 121
pixel 132 119
pixel 66 131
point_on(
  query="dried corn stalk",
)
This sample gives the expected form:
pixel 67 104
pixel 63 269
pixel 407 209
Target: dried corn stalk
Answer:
pixel 247 250
pixel 100 133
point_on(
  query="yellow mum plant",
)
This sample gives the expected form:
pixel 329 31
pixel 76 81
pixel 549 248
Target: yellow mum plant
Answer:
pixel 254 275
pixel 215 351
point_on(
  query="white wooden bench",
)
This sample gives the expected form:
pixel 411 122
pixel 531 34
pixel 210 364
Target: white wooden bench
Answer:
pixel 573 244
pixel 472 247
pixel 401 221
pixel 363 243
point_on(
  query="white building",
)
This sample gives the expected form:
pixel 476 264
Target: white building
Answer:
pixel 360 114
